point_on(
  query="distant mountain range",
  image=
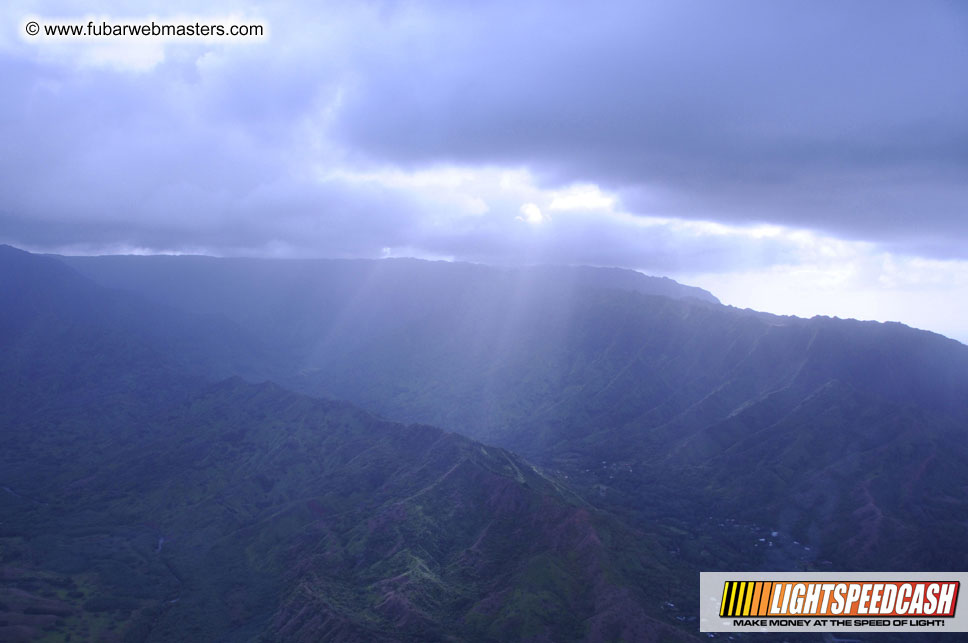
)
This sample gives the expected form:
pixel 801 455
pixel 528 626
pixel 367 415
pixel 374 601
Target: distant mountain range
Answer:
pixel 668 434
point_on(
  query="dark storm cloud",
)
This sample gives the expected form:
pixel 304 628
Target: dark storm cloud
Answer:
pixel 844 117
pixel 847 117
pixel 190 156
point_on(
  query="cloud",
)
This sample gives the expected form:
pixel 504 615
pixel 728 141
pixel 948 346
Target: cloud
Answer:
pixel 852 281
pixel 581 197
pixel 531 213
pixel 842 117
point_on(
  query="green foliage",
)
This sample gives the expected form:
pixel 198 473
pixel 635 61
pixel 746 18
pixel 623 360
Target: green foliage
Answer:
pixel 159 506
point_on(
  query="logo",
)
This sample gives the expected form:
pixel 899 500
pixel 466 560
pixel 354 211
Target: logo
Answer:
pixel 830 598
pixel 831 602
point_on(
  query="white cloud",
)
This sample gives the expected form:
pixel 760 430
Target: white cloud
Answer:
pixel 581 197
pixel 531 213
pixel 851 280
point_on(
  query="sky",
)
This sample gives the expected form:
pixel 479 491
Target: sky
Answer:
pixel 800 158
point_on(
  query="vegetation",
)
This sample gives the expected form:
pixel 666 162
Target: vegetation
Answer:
pixel 150 492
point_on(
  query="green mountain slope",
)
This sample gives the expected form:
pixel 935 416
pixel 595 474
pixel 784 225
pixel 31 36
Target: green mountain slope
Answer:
pixel 660 408
pixel 248 511
pixel 61 329
pixel 139 503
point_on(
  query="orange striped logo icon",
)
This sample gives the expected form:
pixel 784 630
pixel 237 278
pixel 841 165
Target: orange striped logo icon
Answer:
pixel 746 598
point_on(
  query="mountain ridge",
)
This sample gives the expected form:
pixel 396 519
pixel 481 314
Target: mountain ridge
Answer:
pixel 576 375
pixel 175 509
pixel 696 436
